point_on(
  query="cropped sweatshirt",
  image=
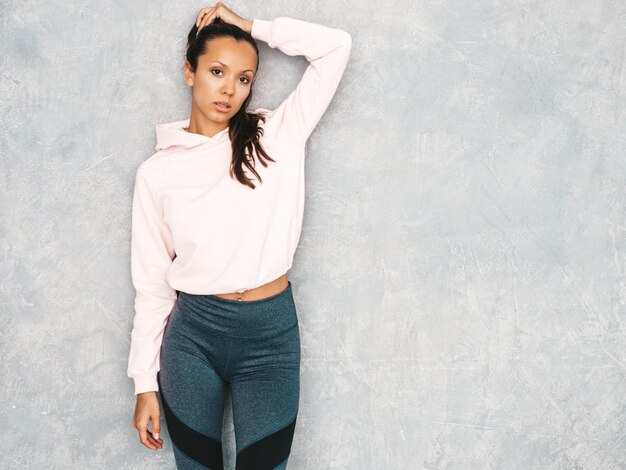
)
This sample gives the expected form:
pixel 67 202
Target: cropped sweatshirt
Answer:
pixel 197 230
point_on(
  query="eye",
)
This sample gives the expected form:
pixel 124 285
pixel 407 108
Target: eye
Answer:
pixel 247 80
pixel 216 70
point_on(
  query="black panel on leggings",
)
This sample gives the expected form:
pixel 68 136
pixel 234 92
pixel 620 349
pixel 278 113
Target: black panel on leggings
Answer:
pixel 267 453
pixel 201 448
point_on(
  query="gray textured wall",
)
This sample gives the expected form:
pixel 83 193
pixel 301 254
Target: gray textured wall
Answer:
pixel 461 276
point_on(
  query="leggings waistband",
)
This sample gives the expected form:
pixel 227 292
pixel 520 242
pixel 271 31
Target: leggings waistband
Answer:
pixel 240 318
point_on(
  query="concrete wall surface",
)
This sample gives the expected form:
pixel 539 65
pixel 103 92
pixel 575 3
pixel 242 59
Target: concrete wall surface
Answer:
pixel 461 275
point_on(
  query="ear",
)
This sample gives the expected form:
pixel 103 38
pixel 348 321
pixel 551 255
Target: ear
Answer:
pixel 189 75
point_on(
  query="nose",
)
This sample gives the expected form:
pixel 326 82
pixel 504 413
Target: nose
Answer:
pixel 228 88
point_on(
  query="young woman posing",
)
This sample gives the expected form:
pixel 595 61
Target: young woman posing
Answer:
pixel 213 236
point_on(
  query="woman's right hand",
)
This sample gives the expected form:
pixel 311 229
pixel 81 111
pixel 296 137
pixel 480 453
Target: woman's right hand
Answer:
pixel 148 409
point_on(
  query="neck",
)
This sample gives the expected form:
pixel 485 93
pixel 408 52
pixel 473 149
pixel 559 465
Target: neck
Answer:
pixel 199 124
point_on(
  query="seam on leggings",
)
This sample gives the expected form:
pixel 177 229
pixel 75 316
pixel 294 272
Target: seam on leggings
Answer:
pixel 286 458
pixel 166 404
pixel 270 433
pixel 199 322
pixel 229 336
pixel 202 357
pixel 230 348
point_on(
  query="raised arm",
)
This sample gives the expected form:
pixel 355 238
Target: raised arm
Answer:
pixel 151 256
pixel 327 51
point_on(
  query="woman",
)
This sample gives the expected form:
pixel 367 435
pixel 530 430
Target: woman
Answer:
pixel 213 236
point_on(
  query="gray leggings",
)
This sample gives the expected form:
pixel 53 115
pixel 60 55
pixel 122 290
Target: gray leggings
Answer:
pixel 253 347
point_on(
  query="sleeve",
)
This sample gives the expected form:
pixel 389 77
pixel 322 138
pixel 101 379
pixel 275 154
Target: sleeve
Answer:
pixel 151 256
pixel 326 49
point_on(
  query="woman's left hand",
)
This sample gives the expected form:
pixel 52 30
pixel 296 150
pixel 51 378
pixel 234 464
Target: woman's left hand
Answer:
pixel 206 16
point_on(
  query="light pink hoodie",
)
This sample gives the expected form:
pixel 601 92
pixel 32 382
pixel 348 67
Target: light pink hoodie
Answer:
pixel 197 230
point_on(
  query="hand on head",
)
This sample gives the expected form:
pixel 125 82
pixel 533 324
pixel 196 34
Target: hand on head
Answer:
pixel 219 10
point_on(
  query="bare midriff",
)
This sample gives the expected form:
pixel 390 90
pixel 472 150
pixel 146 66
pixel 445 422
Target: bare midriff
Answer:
pixel 266 290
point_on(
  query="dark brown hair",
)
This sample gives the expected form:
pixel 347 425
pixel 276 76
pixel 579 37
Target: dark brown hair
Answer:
pixel 244 129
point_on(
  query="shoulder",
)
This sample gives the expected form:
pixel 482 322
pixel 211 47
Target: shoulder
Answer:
pixel 152 170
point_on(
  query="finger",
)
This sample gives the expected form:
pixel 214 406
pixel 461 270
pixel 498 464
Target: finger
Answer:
pixel 201 13
pixel 208 18
pixel 202 16
pixel 143 437
pixel 156 426
pixel 158 443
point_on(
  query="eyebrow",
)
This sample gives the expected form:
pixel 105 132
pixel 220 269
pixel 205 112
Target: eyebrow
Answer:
pixel 227 66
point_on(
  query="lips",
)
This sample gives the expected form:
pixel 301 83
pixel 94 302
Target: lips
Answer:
pixel 224 105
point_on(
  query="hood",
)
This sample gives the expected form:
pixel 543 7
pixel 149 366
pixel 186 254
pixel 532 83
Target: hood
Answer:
pixel 173 135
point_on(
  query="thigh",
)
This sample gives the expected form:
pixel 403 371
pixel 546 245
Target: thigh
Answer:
pixel 265 388
pixel 192 395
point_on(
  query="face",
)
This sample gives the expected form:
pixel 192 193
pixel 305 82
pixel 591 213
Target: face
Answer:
pixel 224 73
